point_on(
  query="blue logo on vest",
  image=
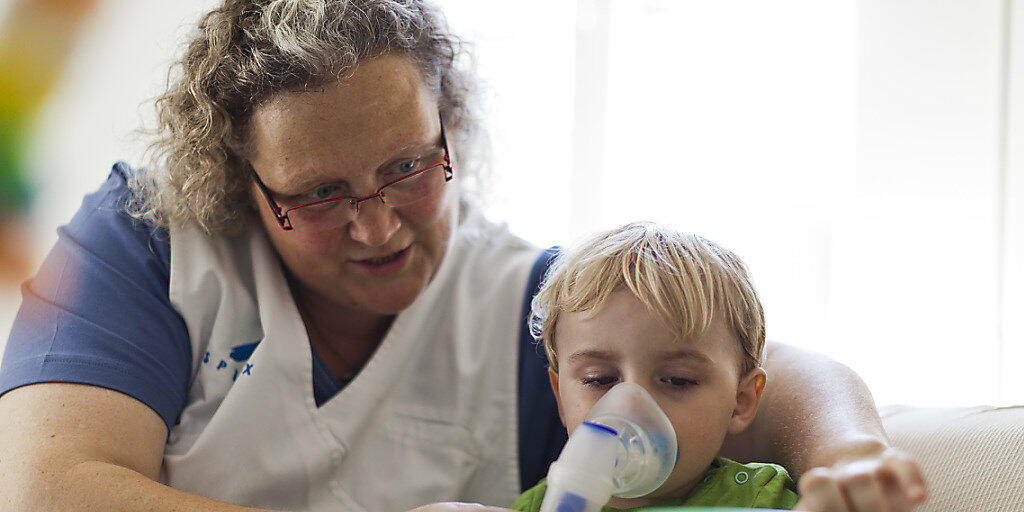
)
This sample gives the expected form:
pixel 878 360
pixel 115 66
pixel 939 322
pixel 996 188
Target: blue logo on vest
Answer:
pixel 240 354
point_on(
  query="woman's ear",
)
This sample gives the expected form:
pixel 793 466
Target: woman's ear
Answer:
pixel 553 378
pixel 748 396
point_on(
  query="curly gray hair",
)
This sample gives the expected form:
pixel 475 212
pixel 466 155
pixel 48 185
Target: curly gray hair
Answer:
pixel 248 50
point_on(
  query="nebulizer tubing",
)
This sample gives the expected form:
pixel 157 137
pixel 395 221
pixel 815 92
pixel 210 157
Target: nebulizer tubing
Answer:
pixel 626 447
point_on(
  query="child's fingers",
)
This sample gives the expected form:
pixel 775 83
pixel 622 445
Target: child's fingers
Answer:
pixel 887 482
pixel 820 492
pixel 899 480
pixel 865 491
pixel 909 476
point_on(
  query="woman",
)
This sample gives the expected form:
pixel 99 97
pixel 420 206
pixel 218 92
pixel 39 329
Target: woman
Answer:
pixel 310 315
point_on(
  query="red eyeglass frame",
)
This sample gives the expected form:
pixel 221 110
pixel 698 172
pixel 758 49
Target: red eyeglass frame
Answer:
pixel 286 223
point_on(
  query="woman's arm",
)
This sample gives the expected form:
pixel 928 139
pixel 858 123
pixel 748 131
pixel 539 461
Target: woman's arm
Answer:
pixel 817 419
pixel 814 412
pixel 78 447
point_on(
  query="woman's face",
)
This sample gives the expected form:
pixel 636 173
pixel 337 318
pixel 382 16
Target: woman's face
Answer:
pixel 347 135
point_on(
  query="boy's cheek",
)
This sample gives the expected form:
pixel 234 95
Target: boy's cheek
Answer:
pixel 699 432
pixel 698 439
pixel 572 406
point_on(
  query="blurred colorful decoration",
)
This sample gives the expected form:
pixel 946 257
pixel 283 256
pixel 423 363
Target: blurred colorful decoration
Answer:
pixel 36 36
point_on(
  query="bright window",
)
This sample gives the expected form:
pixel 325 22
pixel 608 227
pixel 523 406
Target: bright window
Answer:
pixel 854 154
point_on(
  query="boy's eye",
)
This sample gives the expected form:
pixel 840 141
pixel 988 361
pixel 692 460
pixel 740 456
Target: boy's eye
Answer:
pixel 679 382
pixel 599 381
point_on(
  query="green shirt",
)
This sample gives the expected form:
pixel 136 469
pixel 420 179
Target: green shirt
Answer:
pixel 726 484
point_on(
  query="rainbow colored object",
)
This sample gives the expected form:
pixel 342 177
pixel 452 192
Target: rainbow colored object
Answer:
pixel 35 39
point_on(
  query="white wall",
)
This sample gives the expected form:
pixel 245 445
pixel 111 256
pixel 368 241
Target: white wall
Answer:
pixel 848 151
pixel 726 124
pixel 120 62
pixel 1012 264
pixel 918 306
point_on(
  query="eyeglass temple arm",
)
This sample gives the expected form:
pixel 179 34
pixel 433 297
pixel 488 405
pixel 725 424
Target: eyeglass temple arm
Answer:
pixel 282 218
pixel 448 173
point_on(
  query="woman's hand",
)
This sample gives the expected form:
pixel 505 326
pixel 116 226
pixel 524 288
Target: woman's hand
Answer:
pixel 887 481
pixel 458 507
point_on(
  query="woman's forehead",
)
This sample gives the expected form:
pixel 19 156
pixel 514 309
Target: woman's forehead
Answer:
pixel 381 109
pixel 382 94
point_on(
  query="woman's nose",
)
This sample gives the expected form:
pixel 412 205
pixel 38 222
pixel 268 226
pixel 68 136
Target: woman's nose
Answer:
pixel 374 224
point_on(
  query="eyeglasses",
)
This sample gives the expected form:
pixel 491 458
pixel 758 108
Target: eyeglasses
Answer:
pixel 411 181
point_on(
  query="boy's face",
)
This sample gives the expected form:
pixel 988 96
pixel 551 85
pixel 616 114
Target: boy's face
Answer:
pixel 697 381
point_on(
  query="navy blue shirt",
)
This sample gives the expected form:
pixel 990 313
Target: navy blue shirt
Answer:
pixel 98 312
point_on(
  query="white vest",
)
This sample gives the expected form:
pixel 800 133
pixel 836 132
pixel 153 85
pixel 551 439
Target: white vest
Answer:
pixel 431 417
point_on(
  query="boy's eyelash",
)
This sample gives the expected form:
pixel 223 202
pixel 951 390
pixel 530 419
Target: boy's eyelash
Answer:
pixel 597 381
pixel 608 381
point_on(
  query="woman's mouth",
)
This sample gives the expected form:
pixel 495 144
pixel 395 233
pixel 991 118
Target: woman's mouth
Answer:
pixel 385 265
pixel 385 259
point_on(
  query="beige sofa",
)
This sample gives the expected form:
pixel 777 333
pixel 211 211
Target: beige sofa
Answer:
pixel 972 458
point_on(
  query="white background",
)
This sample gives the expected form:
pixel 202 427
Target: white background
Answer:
pixel 864 157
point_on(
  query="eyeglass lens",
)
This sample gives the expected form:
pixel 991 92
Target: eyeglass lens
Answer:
pixel 328 213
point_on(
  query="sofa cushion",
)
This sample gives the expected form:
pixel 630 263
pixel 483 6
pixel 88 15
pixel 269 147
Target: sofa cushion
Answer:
pixel 972 458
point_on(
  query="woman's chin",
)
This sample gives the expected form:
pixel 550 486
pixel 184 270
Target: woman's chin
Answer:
pixel 390 299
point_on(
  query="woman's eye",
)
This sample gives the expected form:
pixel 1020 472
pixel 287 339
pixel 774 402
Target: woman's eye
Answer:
pixel 679 382
pixel 599 381
pixel 407 166
pixel 324 192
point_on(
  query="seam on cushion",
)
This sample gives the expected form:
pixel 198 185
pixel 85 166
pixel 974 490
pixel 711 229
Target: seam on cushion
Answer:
pixel 1008 407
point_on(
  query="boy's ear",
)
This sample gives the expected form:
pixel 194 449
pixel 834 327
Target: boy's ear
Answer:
pixel 553 378
pixel 748 396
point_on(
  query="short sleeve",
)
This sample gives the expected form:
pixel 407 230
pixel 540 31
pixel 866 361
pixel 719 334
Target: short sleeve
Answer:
pixel 98 311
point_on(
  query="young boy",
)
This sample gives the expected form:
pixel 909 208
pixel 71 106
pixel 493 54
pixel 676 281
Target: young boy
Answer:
pixel 677 315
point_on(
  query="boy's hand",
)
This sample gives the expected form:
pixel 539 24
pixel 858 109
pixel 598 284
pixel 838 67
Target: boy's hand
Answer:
pixel 887 482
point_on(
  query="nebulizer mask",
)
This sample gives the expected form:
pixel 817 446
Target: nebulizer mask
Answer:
pixel 626 447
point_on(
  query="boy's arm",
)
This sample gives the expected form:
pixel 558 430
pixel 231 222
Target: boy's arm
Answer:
pixel 817 413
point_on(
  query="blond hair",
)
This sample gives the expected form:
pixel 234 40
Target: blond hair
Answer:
pixel 246 51
pixel 685 279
